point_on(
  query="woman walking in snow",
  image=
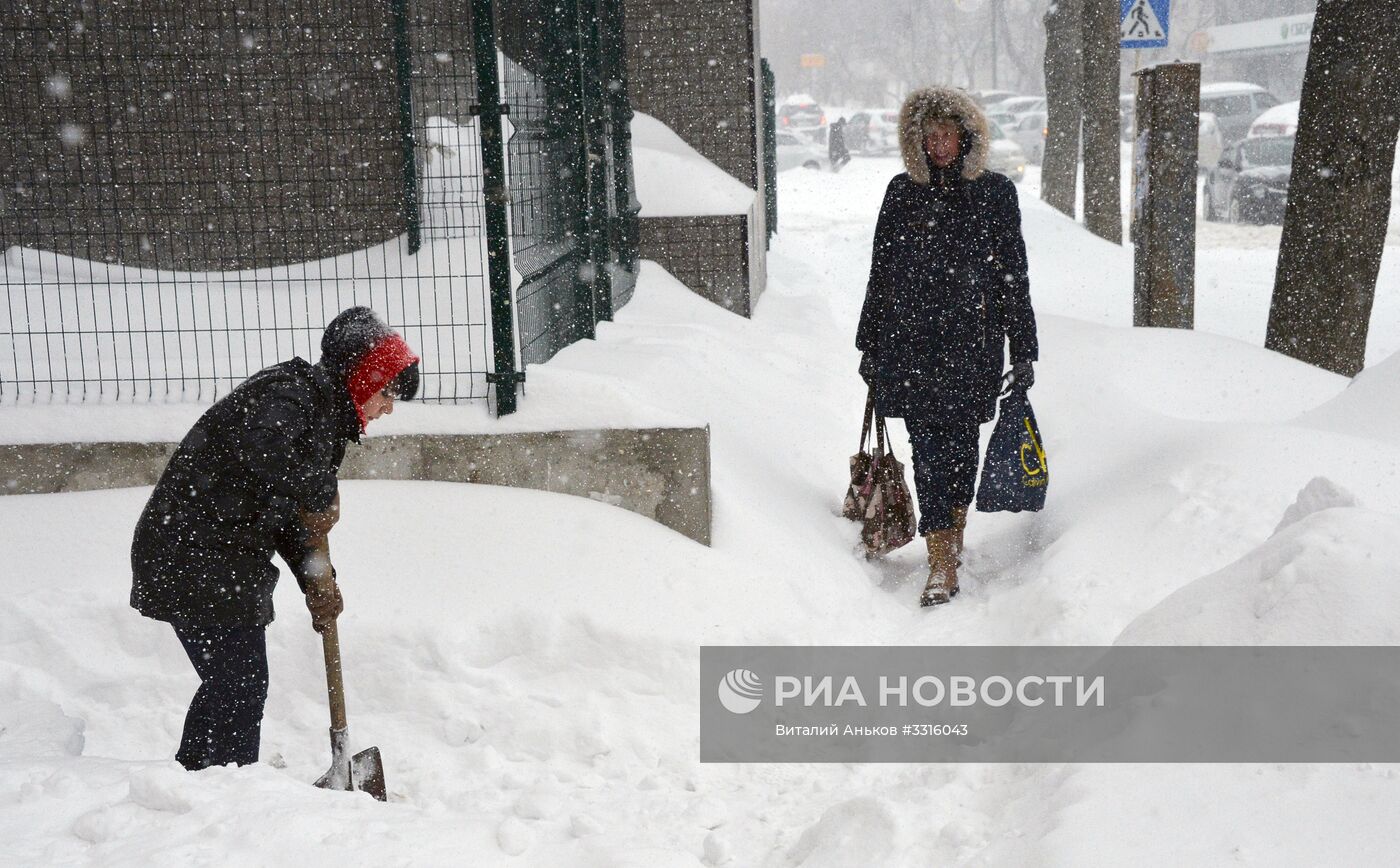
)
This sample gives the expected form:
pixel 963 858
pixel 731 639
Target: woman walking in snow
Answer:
pixel 948 287
pixel 257 474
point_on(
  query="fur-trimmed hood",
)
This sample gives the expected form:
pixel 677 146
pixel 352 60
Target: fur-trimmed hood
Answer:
pixel 929 104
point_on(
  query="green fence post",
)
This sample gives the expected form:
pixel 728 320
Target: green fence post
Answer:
pixel 585 318
pixel 625 207
pixel 600 198
pixel 770 149
pixel 595 134
pixel 493 166
pixel 403 68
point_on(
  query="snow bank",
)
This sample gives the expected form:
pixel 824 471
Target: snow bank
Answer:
pixel 674 180
pixel 1326 577
pixel 1369 406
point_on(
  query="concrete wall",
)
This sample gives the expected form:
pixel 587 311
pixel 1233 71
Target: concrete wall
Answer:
pixel 661 473
pixel 691 65
pixel 215 135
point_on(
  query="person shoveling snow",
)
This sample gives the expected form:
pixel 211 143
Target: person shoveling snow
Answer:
pixel 257 475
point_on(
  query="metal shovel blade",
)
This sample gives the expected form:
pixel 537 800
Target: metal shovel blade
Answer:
pixel 367 773
pixel 364 772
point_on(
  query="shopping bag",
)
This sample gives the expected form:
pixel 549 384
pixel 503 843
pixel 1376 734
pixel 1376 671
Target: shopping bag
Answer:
pixel 878 496
pixel 1015 474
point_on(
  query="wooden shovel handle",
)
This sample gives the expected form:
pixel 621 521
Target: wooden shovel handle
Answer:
pixel 335 685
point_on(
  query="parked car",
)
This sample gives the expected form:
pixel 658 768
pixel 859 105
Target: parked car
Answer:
pixel 1235 105
pixel 1004 119
pixel 873 131
pixel 1209 143
pixel 801 112
pixel 1029 132
pixel 1004 155
pixel 989 98
pixel 1281 120
pixel 1250 184
pixel 1020 105
pixel 796 150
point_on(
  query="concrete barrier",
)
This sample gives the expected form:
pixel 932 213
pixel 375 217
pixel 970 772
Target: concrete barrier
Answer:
pixel 661 473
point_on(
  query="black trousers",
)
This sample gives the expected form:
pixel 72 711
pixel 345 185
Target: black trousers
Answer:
pixel 224 723
pixel 945 470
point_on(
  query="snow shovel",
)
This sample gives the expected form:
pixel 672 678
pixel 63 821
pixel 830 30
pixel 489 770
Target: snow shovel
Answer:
pixel 363 772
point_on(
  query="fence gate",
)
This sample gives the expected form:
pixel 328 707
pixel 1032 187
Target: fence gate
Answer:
pixel 573 209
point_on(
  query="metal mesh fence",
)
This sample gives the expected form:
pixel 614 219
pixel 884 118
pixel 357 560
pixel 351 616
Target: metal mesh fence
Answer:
pixel 191 191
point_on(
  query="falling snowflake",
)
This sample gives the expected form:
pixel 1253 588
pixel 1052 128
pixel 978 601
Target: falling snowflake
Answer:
pixel 59 86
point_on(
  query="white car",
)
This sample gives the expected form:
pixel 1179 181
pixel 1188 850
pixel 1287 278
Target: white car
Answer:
pixel 796 150
pixel 1004 155
pixel 1210 142
pixel 988 98
pixel 1281 120
pixel 1020 106
pixel 1235 105
pixel 1029 133
pixel 1005 119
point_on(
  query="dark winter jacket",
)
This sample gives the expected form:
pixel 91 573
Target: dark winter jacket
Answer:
pixel 234 492
pixel 948 283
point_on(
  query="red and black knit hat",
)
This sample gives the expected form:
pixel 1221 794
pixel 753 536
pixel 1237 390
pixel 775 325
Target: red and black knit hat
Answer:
pixel 358 346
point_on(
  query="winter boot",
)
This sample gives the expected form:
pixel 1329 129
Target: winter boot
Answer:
pixel 942 583
pixel 960 525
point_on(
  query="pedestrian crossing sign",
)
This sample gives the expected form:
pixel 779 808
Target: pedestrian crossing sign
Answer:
pixel 1143 23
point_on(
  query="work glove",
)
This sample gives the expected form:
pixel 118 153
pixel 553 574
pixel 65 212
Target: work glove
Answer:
pixel 318 524
pixel 317 573
pixel 324 602
pixel 1021 377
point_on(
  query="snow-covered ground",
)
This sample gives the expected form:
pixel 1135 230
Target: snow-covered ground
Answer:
pixel 528 662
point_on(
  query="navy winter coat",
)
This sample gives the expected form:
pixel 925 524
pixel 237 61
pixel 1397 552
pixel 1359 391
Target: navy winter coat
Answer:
pixel 947 287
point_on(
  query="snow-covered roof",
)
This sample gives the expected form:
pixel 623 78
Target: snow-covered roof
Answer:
pixel 799 99
pixel 1284 112
pixel 675 180
pixel 1226 88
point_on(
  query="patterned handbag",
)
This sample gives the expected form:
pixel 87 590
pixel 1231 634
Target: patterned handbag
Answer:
pixel 878 496
pixel 862 481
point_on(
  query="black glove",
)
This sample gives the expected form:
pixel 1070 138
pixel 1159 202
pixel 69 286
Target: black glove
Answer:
pixel 1021 377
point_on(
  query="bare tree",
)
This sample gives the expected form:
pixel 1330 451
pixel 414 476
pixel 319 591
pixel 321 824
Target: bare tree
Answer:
pixel 1024 47
pixel 1063 73
pixel 1339 193
pixel 1103 208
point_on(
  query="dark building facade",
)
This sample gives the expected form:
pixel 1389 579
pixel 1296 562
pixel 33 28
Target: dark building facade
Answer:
pixel 239 172
pixel 127 139
pixel 695 67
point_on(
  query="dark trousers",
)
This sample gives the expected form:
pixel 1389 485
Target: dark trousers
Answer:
pixel 945 470
pixel 224 723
